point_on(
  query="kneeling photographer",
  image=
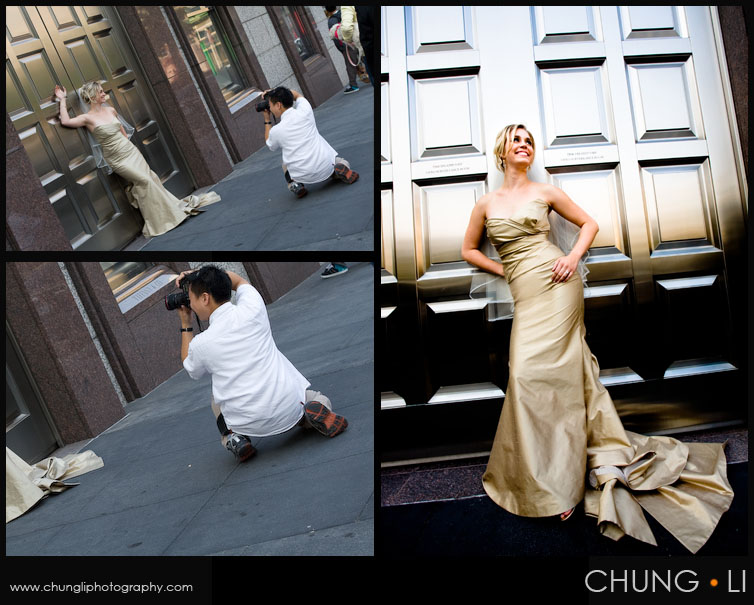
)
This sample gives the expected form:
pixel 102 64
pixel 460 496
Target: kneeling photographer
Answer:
pixel 307 157
pixel 256 391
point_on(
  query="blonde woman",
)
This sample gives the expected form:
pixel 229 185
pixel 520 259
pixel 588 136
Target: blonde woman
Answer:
pixel 558 422
pixel 113 151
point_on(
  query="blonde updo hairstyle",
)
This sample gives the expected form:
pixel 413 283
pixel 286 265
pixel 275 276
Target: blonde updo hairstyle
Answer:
pixel 504 140
pixel 89 91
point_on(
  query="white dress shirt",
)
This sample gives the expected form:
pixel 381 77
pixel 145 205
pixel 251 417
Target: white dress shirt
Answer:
pixel 306 155
pixel 258 390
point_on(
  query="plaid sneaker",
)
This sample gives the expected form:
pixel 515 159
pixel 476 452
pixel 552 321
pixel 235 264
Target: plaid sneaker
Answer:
pixel 323 420
pixel 333 269
pixel 345 174
pixel 240 446
pixel 297 189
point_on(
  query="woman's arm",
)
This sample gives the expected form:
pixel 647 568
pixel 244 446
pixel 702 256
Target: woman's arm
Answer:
pixel 565 207
pixel 470 248
pixel 76 122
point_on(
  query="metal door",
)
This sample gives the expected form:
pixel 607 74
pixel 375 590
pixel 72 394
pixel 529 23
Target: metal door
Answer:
pixel 630 112
pixel 70 46
pixel 27 430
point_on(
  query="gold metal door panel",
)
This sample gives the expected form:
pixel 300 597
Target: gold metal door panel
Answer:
pixel 440 209
pixel 60 156
pixel 384 124
pixel 387 248
pixel 628 108
pixel 444 116
pixel 574 104
pixel 438 28
pixel 600 193
pixel 652 22
pixel 28 431
pixel 555 24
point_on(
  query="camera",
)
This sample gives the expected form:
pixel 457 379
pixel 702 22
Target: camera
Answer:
pixel 263 106
pixel 178 299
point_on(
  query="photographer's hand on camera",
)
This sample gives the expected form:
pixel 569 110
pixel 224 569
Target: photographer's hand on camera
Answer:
pixel 185 314
pixel 181 276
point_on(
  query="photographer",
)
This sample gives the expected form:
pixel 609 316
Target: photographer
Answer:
pixel 256 391
pixel 307 157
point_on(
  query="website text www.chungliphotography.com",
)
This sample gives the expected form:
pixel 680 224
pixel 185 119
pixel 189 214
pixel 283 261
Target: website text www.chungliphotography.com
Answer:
pixel 105 587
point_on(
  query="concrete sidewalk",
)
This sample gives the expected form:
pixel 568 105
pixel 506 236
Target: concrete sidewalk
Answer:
pixel 257 212
pixel 168 486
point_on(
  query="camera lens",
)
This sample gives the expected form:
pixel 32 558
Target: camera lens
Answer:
pixel 263 105
pixel 175 300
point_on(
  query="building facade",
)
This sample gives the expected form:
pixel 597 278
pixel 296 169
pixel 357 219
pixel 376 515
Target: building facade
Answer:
pixel 640 115
pixel 82 339
pixel 187 78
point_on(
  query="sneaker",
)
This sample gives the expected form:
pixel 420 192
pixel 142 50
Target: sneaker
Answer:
pixel 323 420
pixel 345 174
pixel 297 189
pixel 351 89
pixel 334 269
pixel 240 446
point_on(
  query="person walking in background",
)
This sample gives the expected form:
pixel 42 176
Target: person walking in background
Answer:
pixel 334 269
pixel 365 18
pixel 333 20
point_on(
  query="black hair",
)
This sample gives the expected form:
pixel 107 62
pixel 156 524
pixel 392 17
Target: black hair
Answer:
pixel 282 95
pixel 210 279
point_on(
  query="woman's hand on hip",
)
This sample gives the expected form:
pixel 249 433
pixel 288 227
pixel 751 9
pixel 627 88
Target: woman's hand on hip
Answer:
pixel 563 268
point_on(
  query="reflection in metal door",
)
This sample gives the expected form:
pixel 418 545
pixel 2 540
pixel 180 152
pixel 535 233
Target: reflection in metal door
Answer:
pixel 69 46
pixel 628 106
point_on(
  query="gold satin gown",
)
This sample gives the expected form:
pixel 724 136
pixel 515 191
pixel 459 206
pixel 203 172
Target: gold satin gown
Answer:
pixel 162 211
pixel 559 439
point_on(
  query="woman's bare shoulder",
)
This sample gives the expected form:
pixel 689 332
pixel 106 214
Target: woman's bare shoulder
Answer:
pixel 549 193
pixel 483 202
pixel 485 199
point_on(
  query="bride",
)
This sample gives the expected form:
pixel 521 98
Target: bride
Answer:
pixel 558 424
pixel 109 139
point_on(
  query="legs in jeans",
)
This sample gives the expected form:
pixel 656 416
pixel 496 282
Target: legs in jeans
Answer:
pixel 350 71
